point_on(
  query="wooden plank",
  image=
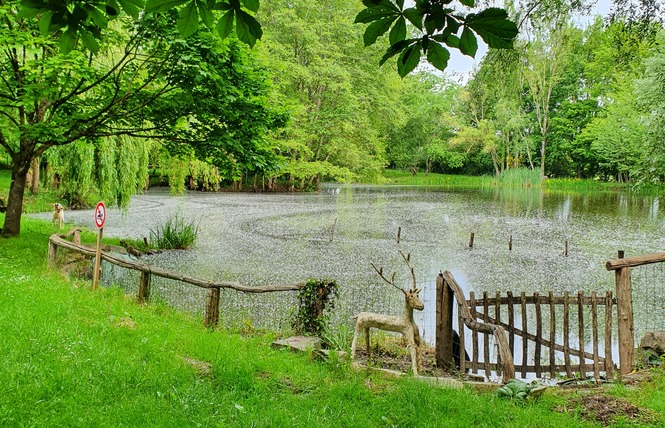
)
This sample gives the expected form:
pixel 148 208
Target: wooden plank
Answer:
pixel 580 334
pixel 594 332
pixel 566 335
pixel 474 333
pixel 511 323
pixel 621 262
pixel 539 335
pixel 609 365
pixel 439 340
pixel 486 338
pixel 525 341
pixel 462 345
pixel 625 320
pixel 447 303
pixel 497 316
pixel 552 336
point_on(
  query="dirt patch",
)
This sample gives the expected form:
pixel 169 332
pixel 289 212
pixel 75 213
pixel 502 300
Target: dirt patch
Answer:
pixel 203 368
pixel 607 410
pixel 395 356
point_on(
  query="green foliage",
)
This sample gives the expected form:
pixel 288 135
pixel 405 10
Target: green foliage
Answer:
pixel 338 338
pixel 439 27
pixel 316 300
pixel 177 233
pixel 85 21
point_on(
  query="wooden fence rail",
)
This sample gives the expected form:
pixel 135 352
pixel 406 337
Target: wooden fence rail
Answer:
pixel 147 272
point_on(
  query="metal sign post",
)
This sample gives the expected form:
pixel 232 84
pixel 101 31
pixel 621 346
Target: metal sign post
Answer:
pixel 100 218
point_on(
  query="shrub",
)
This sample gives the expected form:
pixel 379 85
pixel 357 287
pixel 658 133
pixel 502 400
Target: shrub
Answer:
pixel 176 234
pixel 316 299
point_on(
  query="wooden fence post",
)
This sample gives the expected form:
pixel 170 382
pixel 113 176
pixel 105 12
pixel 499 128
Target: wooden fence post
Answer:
pixel 143 292
pixel 625 319
pixel 444 324
pixel 52 252
pixel 212 307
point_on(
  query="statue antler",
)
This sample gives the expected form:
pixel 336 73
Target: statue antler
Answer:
pixel 407 259
pixel 390 281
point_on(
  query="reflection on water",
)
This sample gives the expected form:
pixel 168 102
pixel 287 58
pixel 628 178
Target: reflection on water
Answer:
pixel 336 233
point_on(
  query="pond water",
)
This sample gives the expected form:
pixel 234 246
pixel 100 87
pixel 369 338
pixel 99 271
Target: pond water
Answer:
pixel 337 232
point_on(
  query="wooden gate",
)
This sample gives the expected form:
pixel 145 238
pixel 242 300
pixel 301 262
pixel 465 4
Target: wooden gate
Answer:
pixel 546 334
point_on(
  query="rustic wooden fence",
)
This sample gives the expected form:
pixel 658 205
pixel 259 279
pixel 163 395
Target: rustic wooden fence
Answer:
pixel 543 326
pixel 146 272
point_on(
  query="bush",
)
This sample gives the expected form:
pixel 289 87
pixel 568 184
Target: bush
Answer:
pixel 316 299
pixel 176 234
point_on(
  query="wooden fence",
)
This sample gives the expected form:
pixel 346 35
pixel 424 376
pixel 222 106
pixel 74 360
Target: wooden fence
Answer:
pixel 544 325
pixel 547 339
pixel 147 272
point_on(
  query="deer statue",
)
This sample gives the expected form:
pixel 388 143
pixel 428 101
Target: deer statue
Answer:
pixel 401 324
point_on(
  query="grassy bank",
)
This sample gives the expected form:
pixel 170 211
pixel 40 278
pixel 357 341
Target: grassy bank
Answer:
pixel 72 356
pixel 512 178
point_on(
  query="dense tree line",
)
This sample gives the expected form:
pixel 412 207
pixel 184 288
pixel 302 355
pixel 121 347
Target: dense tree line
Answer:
pixel 568 101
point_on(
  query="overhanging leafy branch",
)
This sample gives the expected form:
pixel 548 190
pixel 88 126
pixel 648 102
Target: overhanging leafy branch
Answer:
pixel 439 26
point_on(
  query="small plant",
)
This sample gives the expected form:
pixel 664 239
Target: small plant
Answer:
pixel 176 234
pixel 338 338
pixel 315 299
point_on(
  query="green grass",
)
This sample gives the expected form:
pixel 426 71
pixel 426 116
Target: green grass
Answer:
pixel 73 356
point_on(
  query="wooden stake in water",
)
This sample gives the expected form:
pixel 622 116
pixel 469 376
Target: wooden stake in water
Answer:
pixel 98 260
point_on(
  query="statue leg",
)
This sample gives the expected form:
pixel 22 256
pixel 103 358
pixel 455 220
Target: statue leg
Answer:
pixel 415 354
pixel 356 333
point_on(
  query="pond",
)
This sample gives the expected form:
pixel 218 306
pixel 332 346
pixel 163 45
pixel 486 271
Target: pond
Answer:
pixel 337 232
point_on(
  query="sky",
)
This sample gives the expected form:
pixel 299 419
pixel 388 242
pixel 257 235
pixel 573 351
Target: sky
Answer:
pixel 461 66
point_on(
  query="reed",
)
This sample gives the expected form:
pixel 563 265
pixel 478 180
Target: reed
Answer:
pixel 177 233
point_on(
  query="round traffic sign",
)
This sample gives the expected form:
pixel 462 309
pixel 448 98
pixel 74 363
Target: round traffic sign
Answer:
pixel 100 215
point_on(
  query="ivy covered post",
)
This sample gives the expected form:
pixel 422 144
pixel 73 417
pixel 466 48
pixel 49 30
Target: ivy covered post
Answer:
pixel 315 300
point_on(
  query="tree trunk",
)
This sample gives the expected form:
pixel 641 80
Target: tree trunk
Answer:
pixel 543 143
pixel 34 184
pixel 12 226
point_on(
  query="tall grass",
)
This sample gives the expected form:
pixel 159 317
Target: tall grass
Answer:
pixel 520 177
pixel 406 178
pixel 177 233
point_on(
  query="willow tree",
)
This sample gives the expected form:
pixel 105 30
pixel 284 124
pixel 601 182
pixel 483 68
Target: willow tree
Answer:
pixel 199 93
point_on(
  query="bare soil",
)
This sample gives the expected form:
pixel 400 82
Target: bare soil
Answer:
pixel 395 356
pixel 607 410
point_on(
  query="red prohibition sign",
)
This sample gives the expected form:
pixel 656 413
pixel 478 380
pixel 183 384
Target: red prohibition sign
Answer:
pixel 100 215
